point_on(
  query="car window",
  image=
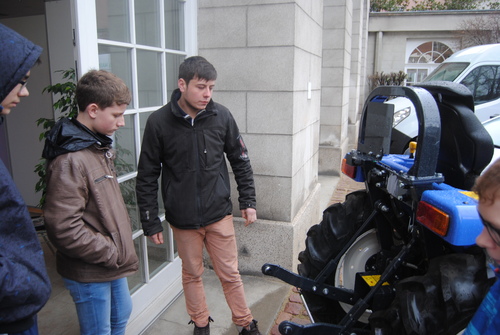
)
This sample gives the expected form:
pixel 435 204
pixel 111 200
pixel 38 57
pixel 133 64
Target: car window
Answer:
pixel 493 127
pixel 446 71
pixel 484 83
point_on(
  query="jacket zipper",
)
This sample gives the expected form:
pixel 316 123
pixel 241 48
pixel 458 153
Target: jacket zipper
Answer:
pixel 197 176
pixel 106 176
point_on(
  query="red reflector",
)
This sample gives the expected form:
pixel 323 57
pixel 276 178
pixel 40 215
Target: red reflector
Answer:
pixel 433 218
pixel 348 170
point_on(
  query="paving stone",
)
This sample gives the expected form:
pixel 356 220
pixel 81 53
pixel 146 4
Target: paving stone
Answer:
pixel 274 330
pixel 294 308
pixel 295 297
pixel 284 316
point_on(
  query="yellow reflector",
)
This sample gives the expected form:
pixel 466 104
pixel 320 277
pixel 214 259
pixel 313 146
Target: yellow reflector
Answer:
pixel 433 218
pixel 372 280
pixel 471 194
pixel 413 147
pixel 348 170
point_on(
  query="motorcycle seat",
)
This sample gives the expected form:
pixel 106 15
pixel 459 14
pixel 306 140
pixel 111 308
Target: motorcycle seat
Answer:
pixel 466 147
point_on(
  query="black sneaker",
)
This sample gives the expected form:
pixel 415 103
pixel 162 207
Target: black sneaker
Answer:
pixel 201 330
pixel 252 329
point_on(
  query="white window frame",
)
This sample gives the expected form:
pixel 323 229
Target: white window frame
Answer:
pixel 412 44
pixel 160 290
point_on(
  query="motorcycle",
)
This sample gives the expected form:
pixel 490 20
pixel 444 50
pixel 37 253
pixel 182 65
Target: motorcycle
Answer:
pixel 399 257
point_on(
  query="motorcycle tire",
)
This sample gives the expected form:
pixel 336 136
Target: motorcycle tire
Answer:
pixel 324 242
pixel 441 302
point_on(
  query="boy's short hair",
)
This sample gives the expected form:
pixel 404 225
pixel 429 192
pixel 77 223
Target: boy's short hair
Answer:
pixel 102 88
pixel 197 66
pixel 487 185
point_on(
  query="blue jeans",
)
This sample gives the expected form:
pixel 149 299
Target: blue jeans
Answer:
pixel 103 308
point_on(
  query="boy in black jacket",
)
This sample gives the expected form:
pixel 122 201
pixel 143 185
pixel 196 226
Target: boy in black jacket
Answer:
pixel 186 141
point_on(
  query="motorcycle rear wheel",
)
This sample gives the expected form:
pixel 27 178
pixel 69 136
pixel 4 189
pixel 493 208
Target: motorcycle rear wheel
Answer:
pixel 324 242
pixel 354 260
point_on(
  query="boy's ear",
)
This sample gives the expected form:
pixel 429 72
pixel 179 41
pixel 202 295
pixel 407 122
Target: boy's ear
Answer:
pixel 92 110
pixel 181 83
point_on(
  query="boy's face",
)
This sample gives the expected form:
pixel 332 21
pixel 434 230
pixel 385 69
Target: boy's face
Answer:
pixel 14 97
pixel 197 94
pixel 490 212
pixel 106 121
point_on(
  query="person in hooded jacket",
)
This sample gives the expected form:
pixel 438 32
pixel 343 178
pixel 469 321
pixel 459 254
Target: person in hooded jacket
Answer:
pixel 24 283
pixel 85 215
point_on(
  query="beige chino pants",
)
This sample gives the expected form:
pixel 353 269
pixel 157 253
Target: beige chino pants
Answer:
pixel 220 241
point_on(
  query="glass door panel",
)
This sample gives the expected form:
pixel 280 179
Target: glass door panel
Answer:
pixel 128 191
pixel 160 254
pixel 149 75
pixel 143 117
pixel 173 62
pixel 125 147
pixel 136 280
pixel 119 61
pixel 147 22
pixel 113 20
pixel 174 25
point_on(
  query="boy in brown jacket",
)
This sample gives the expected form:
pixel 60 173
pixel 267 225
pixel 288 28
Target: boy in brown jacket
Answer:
pixel 86 218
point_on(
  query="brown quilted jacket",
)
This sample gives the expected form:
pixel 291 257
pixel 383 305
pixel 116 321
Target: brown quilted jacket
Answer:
pixel 86 218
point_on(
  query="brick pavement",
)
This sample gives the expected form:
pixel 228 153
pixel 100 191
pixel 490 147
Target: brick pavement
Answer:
pixel 292 308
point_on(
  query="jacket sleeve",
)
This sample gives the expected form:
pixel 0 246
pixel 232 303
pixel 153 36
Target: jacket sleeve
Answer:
pixel 148 172
pixel 66 200
pixel 237 155
pixel 24 283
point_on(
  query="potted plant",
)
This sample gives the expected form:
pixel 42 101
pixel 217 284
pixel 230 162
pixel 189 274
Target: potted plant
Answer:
pixel 67 107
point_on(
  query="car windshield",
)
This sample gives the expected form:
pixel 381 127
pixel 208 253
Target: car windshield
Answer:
pixel 446 72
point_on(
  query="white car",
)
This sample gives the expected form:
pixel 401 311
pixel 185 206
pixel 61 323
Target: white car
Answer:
pixel 477 68
pixel 492 126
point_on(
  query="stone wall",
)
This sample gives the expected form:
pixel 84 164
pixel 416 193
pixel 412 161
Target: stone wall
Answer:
pixel 268 55
pixel 343 79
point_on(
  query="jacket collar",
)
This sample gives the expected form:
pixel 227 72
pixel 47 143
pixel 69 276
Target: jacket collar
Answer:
pixel 69 135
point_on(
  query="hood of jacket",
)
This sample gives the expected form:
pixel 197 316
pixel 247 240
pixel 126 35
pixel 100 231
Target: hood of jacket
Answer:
pixel 69 135
pixel 17 57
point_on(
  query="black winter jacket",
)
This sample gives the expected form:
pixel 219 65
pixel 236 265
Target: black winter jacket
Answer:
pixel 189 155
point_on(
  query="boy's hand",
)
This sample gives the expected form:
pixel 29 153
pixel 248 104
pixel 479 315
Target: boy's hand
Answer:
pixel 250 215
pixel 157 238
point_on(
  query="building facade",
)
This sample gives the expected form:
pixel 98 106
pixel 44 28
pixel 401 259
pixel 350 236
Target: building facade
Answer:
pixel 294 74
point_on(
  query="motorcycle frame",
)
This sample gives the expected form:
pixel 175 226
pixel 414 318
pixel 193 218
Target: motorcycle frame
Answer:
pixel 420 177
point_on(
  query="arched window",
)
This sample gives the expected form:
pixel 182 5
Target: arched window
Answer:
pixel 425 58
pixel 430 52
